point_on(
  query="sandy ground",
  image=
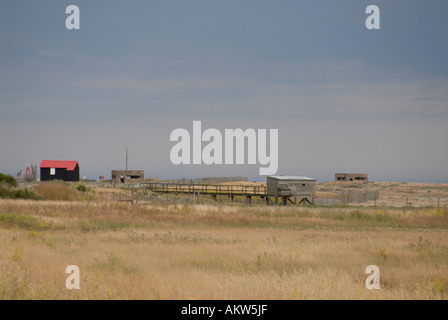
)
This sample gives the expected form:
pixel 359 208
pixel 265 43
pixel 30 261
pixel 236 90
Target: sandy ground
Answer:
pixel 391 194
pixel 395 194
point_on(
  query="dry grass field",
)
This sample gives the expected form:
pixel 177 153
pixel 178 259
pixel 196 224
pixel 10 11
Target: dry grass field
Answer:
pixel 160 250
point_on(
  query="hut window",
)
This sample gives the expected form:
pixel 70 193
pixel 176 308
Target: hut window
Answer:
pixel 52 171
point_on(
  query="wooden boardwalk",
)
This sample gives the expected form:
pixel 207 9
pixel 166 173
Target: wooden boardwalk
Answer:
pixel 236 190
pixel 222 190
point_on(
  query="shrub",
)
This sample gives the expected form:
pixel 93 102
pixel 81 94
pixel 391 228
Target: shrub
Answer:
pixel 7 179
pixel 18 194
pixel 81 187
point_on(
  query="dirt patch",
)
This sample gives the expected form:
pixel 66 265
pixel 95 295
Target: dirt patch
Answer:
pixel 394 194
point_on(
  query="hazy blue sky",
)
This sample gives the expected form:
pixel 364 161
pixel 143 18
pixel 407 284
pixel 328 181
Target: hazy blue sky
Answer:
pixel 344 98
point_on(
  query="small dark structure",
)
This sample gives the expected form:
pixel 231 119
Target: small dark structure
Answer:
pixel 59 170
pixel 287 187
pixel 351 177
pixel 127 176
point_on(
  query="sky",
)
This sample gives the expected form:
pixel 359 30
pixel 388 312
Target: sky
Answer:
pixel 343 98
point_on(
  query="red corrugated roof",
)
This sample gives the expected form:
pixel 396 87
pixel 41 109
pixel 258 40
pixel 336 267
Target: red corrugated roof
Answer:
pixel 69 165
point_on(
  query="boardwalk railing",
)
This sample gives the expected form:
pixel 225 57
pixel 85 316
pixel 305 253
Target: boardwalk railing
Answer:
pixel 209 189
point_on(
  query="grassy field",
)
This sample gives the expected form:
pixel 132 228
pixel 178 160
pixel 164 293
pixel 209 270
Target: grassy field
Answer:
pixel 158 250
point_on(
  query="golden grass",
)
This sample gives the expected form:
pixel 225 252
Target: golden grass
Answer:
pixel 164 251
pixel 326 194
pixel 57 191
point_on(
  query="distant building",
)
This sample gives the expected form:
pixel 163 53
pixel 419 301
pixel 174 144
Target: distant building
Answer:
pixel 351 177
pixel 59 170
pixel 127 176
pixel 290 186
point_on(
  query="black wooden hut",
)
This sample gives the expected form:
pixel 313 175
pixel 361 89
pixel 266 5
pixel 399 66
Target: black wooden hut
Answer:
pixel 59 170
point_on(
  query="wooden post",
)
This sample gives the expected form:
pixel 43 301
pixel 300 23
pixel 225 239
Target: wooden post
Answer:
pixel 438 203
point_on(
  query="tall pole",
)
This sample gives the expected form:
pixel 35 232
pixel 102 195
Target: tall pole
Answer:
pixel 126 174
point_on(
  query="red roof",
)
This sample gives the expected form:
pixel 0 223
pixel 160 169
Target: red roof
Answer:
pixel 69 165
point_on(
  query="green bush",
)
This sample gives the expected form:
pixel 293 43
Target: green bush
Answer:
pixel 7 179
pixel 81 187
pixel 6 193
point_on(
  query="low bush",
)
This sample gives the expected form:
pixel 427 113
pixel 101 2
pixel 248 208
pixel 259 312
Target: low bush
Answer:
pixel 7 179
pixel 81 187
pixel 7 193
